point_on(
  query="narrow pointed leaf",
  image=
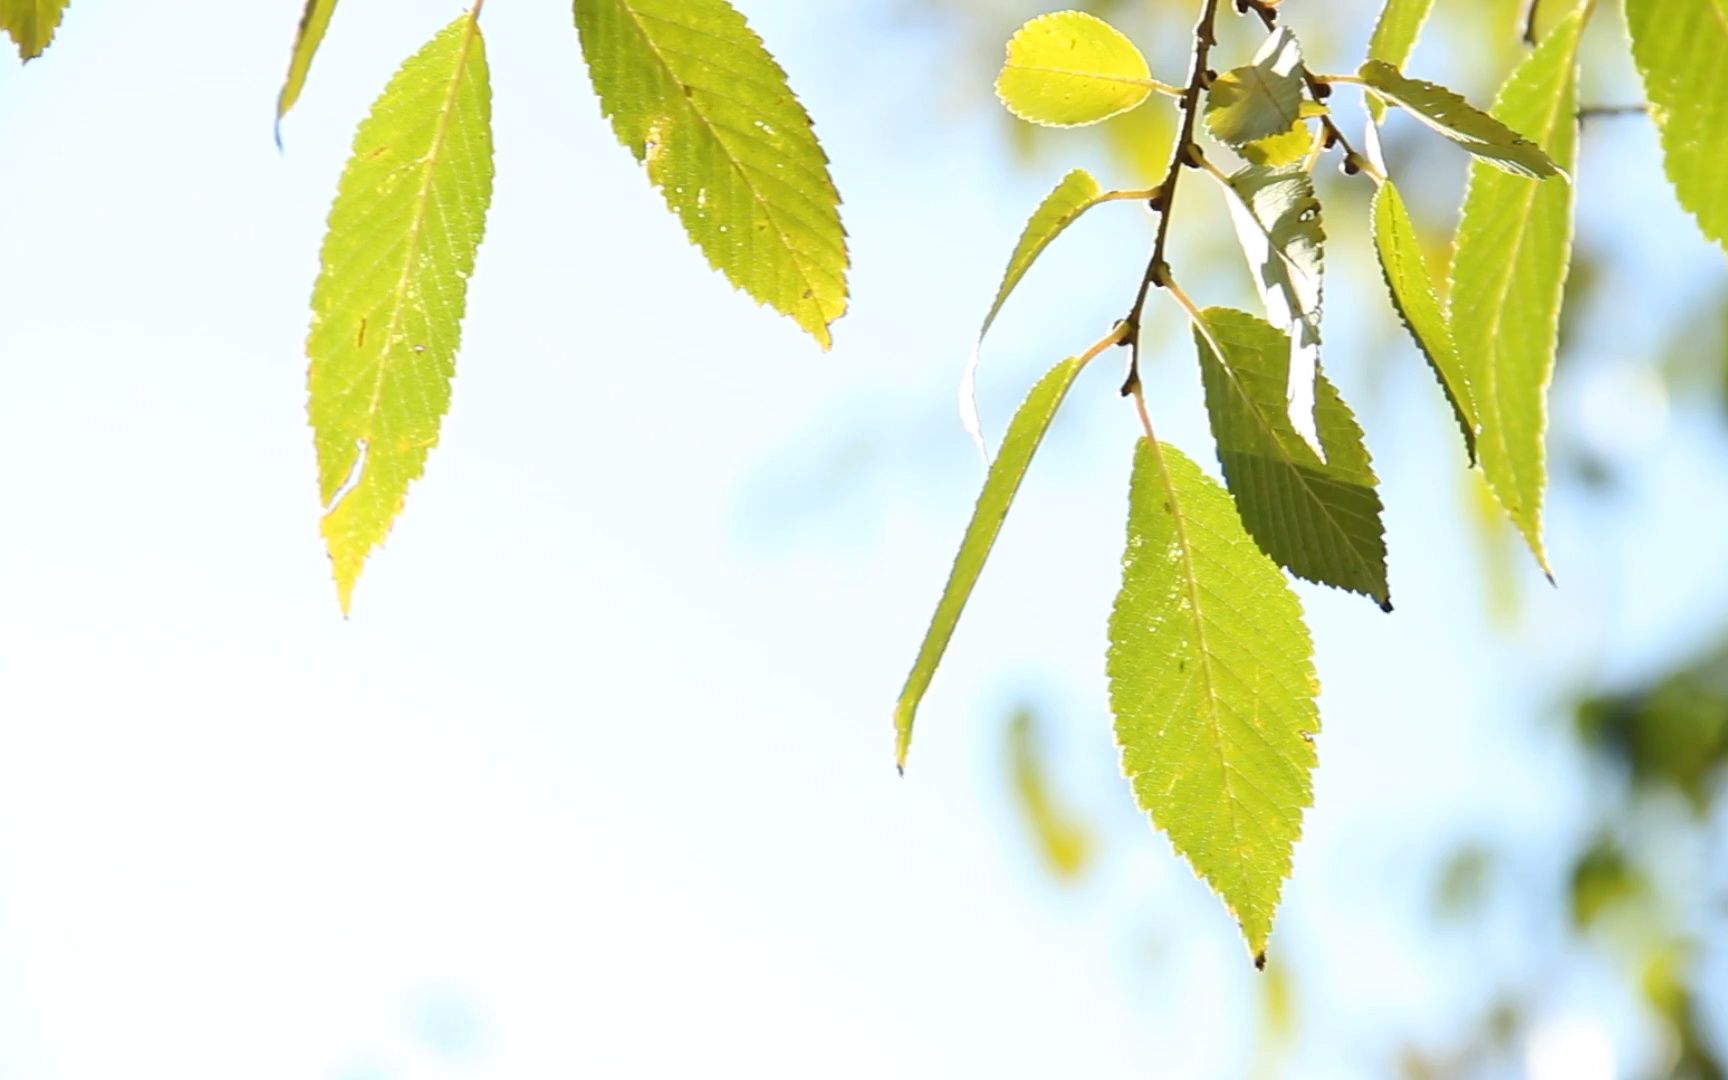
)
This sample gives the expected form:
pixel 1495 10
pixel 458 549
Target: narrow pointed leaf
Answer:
pixel 1413 297
pixel 693 93
pixel 1394 36
pixel 1487 136
pixel 387 308
pixel 1258 100
pixel 1277 219
pixel 31 23
pixel 1063 838
pixel 1077 193
pixel 1212 686
pixel 1681 47
pixel 1320 519
pixel 313 22
pixel 1069 68
pixel 1509 268
pixel 1025 433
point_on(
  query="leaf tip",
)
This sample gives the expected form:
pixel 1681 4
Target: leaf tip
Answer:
pixel 1386 605
pixel 1260 960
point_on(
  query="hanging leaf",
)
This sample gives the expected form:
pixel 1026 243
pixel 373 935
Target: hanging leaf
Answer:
pixel 693 93
pixel 313 22
pixel 1394 36
pixel 1212 685
pixel 1681 47
pixel 1258 100
pixel 1025 433
pixel 1277 219
pixel 1486 136
pixel 31 23
pixel 1508 273
pixel 387 308
pixel 1413 296
pixel 1077 193
pixel 1319 518
pixel 1069 68
pixel 1063 840
pixel 1288 148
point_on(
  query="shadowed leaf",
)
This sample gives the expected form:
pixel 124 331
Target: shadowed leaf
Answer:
pixel 1487 136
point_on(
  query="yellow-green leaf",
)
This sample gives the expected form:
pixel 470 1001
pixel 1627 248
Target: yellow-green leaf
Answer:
pixel 1212 685
pixel 1414 298
pixel 1509 268
pixel 1077 193
pixel 1260 100
pixel 1681 47
pixel 1487 136
pixel 31 23
pixel 1287 148
pixel 1062 838
pixel 387 308
pixel 1069 68
pixel 313 22
pixel 1394 36
pixel 1319 518
pixel 1277 219
pixel 696 97
pixel 1025 433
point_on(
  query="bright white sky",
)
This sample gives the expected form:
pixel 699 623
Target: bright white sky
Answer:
pixel 597 780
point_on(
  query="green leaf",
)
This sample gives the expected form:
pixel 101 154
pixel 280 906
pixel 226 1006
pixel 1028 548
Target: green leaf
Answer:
pixel 1069 68
pixel 1025 432
pixel 387 308
pixel 1212 685
pixel 31 23
pixel 313 22
pixel 1277 219
pixel 1394 36
pixel 1285 149
pixel 1077 193
pixel 1413 296
pixel 1508 273
pixel 693 93
pixel 1258 100
pixel 1318 518
pixel 1681 47
pixel 1395 32
pixel 1063 839
pixel 1486 136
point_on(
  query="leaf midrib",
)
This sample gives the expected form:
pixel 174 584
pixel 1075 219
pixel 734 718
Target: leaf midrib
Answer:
pixel 1179 523
pixel 417 222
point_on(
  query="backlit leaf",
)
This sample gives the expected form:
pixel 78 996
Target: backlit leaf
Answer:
pixel 1487 136
pixel 1681 47
pixel 1025 432
pixel 1212 685
pixel 313 22
pixel 1394 36
pixel 1318 518
pixel 1285 149
pixel 387 308
pixel 31 23
pixel 695 96
pixel 1069 68
pixel 1413 296
pixel 1258 100
pixel 1508 273
pixel 1277 219
pixel 1077 193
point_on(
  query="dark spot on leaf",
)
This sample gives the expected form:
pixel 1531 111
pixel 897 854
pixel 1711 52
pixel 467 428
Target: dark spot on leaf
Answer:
pixel 378 153
pixel 685 87
pixel 1260 960
pixel 809 295
pixel 360 338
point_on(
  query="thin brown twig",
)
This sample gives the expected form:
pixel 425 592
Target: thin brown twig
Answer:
pixel 1186 154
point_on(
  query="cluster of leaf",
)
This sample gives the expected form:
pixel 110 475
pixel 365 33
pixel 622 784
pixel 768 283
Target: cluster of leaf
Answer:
pixel 1210 664
pixel 690 90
